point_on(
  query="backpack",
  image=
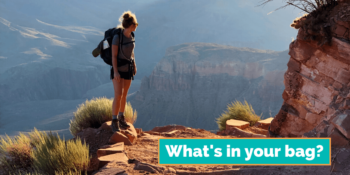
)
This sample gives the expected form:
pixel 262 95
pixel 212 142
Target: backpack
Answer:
pixel 106 54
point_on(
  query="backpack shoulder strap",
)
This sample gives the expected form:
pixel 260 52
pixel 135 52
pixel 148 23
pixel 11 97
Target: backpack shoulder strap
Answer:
pixel 120 42
pixel 117 31
pixel 121 37
pixel 109 32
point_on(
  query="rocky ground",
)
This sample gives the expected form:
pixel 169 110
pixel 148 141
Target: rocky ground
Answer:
pixel 145 150
pixel 137 152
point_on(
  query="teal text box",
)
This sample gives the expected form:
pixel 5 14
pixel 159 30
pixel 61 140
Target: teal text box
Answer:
pixel 245 151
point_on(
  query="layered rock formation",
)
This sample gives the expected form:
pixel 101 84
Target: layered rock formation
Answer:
pixel 317 85
pixel 194 82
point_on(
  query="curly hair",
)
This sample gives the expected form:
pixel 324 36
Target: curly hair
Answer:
pixel 127 19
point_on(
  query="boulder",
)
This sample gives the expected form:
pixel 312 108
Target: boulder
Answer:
pixel 171 133
pixel 111 149
pixel 240 133
pixel 106 126
pixel 168 128
pixel 264 124
pixel 232 123
pixel 132 136
pixel 119 137
pixel 256 130
pixel 130 133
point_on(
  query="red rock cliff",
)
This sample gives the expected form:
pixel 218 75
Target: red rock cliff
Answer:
pixel 317 83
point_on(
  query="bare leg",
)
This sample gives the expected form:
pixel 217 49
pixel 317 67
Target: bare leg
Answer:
pixel 127 84
pixel 118 92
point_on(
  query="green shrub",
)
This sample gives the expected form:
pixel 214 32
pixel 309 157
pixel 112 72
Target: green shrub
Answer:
pixel 93 113
pixel 54 155
pixel 43 153
pixel 237 111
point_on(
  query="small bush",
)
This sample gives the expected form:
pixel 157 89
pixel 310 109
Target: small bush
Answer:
pixel 237 111
pixel 54 155
pixel 16 153
pixel 42 153
pixel 93 113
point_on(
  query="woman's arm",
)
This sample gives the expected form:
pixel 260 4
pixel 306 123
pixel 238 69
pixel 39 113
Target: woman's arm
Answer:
pixel 133 56
pixel 114 57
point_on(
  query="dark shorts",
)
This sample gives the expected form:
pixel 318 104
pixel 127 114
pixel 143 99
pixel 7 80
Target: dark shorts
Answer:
pixel 125 75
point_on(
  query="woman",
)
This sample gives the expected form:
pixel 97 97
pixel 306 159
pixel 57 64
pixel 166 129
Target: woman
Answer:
pixel 124 62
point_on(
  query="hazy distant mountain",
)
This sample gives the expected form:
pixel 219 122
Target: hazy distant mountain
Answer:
pixel 45 46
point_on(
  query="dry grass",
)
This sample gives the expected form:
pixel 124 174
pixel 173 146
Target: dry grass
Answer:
pixel 42 153
pixel 20 172
pixel 237 111
pixel 54 155
pixel 16 153
pixel 93 113
pixel 130 115
pixel 38 173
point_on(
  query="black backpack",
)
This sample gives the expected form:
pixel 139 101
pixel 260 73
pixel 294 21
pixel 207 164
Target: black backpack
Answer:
pixel 106 54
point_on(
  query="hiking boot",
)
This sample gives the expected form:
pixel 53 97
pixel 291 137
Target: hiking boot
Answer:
pixel 122 122
pixel 115 125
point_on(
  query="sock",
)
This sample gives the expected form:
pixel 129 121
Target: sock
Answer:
pixel 119 115
pixel 114 117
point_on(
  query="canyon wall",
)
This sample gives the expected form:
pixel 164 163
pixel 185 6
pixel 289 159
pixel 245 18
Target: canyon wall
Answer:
pixel 194 82
pixel 317 84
